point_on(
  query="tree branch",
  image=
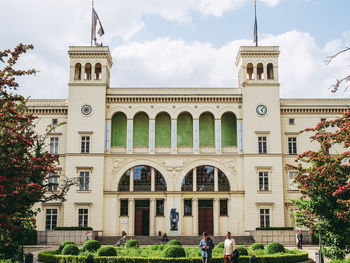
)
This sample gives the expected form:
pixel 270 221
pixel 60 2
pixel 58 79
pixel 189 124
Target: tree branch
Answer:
pixel 330 58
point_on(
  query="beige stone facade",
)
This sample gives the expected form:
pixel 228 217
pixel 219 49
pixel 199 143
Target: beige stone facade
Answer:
pixel 238 176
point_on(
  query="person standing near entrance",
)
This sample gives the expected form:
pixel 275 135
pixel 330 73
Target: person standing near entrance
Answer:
pixel 229 248
pixel 206 245
pixel 299 238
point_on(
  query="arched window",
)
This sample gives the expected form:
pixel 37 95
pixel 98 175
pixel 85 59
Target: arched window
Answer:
pixel 163 130
pixel 185 130
pixel 160 183
pixel 228 129
pixel 141 130
pixel 206 129
pixel 88 71
pixel 142 178
pixel 260 71
pixel 224 184
pixel 77 72
pixel 205 178
pixel 270 71
pixel 250 71
pixel 98 71
pixel 119 123
pixel 187 182
pixel 124 183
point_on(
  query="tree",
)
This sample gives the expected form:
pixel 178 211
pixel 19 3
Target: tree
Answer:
pixel 324 182
pixel 24 163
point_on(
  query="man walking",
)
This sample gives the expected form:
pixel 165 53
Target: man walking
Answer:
pixel 206 245
pixel 299 240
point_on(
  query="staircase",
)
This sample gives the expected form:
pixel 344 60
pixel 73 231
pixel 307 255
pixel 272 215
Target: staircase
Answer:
pixel 185 240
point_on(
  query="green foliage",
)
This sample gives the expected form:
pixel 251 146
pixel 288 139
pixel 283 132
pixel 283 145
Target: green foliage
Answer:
pixel 340 261
pixel 221 245
pixel 132 244
pixel 91 245
pixel 155 247
pixel 275 228
pixel 257 246
pixel 70 228
pixel 333 252
pixel 65 243
pixel 107 251
pixel 174 251
pixel 70 249
pixel 174 242
pixel 243 251
pixel 274 247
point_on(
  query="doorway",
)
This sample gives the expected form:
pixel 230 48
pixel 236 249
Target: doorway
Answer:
pixel 205 217
pixel 141 217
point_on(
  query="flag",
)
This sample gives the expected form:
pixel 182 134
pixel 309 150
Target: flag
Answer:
pixel 97 30
pixel 255 28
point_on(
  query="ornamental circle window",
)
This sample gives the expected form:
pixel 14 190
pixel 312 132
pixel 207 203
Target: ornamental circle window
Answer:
pixel 86 110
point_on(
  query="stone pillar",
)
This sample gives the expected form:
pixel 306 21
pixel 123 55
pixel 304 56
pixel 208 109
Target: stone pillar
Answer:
pixel 195 136
pixel 117 215
pixel 216 217
pixel 174 136
pixel 218 135
pixel 216 180
pixel 129 135
pixel 131 211
pixel 152 216
pixel 195 216
pixel 108 135
pixel 153 180
pixel 131 179
pixel 152 136
pixel 194 181
pixel 240 135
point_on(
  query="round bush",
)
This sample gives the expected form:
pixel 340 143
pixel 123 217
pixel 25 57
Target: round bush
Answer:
pixel 107 251
pixel 132 244
pixel 242 251
pixel 70 250
pixel 64 243
pixel 91 245
pixel 174 251
pixel 257 246
pixel 221 245
pixel 155 247
pixel 175 243
pixel 274 247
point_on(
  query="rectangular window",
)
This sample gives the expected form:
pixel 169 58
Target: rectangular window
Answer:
pixel 291 121
pixel 54 122
pixel 51 219
pixel 159 207
pixel 124 207
pixel 85 144
pixel 188 207
pixel 264 217
pixel 84 178
pixel 292 145
pixel 53 182
pixel 292 185
pixel 54 145
pixel 83 217
pixel 262 144
pixel 223 208
pixel 263 181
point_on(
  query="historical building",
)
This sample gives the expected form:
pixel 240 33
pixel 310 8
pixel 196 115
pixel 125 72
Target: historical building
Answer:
pixel 217 155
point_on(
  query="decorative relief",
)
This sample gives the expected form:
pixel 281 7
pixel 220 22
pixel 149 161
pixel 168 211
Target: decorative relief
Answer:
pixel 173 165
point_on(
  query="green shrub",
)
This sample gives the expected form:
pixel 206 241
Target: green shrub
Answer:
pixel 274 247
pixel 174 242
pixel 174 251
pixel 132 244
pixel 155 247
pixel 243 251
pixel 340 261
pixel 91 245
pixel 65 243
pixel 275 228
pixel 257 246
pixel 221 245
pixel 70 250
pixel 107 251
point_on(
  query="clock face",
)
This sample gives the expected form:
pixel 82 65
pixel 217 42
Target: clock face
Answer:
pixel 261 110
pixel 86 110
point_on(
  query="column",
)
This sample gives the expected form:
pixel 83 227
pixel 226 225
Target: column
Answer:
pixel 195 216
pixel 129 135
pixel 195 136
pixel 216 180
pixel 194 181
pixel 218 135
pixel 174 136
pixel 153 180
pixel 152 216
pixel 117 215
pixel 240 135
pixel 216 212
pixel 132 180
pixel 108 135
pixel 131 211
pixel 151 135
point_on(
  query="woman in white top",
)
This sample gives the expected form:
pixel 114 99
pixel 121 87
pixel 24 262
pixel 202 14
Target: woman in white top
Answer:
pixel 229 247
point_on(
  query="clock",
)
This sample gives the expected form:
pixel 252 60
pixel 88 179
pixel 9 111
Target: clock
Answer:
pixel 261 110
pixel 86 110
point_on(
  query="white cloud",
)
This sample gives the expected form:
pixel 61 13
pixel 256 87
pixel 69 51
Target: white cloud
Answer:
pixel 271 2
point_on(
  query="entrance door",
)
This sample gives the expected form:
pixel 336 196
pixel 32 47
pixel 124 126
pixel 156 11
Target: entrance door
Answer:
pixel 141 217
pixel 205 216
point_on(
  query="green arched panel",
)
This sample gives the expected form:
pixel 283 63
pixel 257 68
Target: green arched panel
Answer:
pixel 206 130
pixel 163 129
pixel 185 130
pixel 228 129
pixel 141 130
pixel 119 122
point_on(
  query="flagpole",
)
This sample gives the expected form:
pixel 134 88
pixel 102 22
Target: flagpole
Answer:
pixel 255 27
pixel 92 19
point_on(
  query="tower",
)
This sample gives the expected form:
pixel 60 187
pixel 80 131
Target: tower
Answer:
pixel 258 78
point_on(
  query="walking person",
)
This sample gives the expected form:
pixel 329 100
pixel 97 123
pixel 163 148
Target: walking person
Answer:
pixel 87 235
pixel 206 245
pixel 299 238
pixel 229 248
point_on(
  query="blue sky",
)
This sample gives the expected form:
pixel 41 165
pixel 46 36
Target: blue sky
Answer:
pixel 181 43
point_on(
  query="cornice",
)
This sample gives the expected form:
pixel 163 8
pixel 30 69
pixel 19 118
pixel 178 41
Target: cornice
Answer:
pixel 47 111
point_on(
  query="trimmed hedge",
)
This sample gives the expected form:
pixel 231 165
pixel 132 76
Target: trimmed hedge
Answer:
pixel 132 243
pixel 70 250
pixel 274 247
pixel 68 228
pixel 174 251
pixel 221 245
pixel 275 228
pixel 257 246
pixel 65 243
pixel 340 261
pixel 107 251
pixel 91 246
pixel 242 251
pixel 174 242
